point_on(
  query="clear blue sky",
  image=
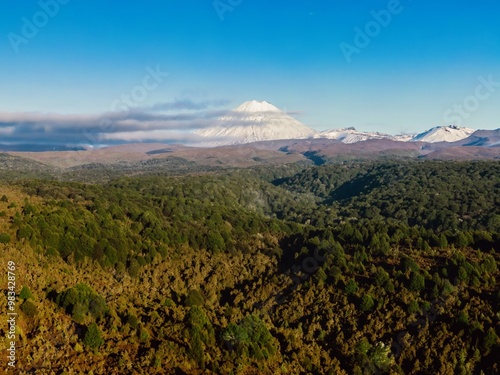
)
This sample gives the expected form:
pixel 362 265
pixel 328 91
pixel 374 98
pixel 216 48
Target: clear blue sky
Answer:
pixel 413 70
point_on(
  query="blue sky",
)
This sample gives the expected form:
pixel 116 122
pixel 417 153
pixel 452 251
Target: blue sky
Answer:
pixel 415 68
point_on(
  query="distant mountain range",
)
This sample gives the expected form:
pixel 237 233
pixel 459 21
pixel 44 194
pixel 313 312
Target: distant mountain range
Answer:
pixel 255 121
pixel 257 132
pixel 351 135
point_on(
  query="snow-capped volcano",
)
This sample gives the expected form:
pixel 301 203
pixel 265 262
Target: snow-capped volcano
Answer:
pixel 450 133
pixel 255 121
pixel 256 106
pixel 351 135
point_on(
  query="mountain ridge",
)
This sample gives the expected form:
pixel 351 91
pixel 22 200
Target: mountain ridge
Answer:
pixel 256 121
pixel 450 133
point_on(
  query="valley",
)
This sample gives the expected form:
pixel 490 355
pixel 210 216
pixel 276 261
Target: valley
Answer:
pixel 368 267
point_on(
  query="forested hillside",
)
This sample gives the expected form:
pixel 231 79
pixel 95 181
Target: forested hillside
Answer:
pixel 354 268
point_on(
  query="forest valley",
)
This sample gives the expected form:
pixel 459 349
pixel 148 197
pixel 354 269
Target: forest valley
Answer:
pixel 370 267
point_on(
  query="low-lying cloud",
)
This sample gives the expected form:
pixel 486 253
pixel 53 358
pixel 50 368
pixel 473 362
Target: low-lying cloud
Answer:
pixel 170 122
pixel 165 122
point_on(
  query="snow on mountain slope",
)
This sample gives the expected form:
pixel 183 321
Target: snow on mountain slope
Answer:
pixel 483 138
pixel 450 133
pixel 255 121
pixel 351 135
pixel 404 137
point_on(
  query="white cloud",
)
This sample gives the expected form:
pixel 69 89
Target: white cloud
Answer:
pixel 166 122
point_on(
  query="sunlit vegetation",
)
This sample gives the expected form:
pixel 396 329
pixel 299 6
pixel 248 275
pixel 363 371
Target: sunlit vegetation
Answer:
pixel 356 268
